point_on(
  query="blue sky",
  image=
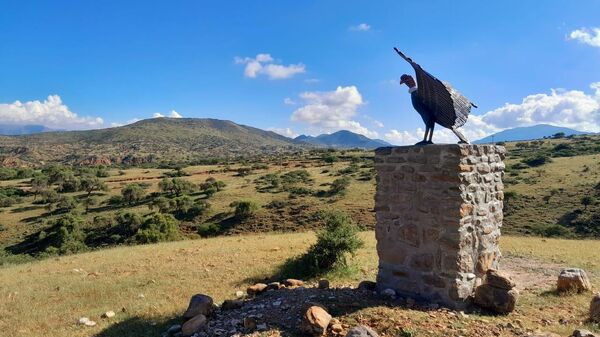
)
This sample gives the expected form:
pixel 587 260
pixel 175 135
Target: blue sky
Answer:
pixel 298 67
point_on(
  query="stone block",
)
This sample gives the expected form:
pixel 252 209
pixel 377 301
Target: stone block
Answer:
pixel 439 213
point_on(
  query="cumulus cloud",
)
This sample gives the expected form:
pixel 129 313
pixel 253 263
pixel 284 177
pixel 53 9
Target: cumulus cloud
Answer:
pixel 52 113
pixel 587 36
pixel 569 108
pixel 288 101
pixel 264 64
pixel 330 111
pixel 287 132
pixel 172 114
pixel 362 27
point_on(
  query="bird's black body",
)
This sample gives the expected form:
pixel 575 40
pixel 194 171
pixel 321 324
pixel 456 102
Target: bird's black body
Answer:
pixel 436 102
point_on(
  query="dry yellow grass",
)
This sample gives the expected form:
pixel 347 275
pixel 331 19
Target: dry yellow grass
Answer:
pixel 47 297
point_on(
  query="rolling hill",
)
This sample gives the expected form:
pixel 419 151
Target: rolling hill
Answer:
pixel 343 139
pixel 150 140
pixel 528 133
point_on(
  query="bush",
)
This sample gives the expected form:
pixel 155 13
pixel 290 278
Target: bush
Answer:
pixel 133 193
pixel 339 186
pixel 537 160
pixel 115 200
pixel 208 229
pixel 555 231
pixel 277 204
pixel 334 243
pixel 128 223
pixel 67 236
pixel 158 227
pixel 244 209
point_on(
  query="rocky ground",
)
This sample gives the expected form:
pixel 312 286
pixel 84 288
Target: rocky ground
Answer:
pixel 292 308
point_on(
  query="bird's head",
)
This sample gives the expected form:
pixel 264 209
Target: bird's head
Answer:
pixel 408 80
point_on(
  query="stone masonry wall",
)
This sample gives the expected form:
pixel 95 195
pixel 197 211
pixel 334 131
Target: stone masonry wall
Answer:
pixel 439 213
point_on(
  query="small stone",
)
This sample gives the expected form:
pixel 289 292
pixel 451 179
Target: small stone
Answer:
pixel 595 308
pixel 388 292
pixel 323 284
pixel 573 279
pixel 315 321
pixel 108 314
pixel 239 294
pixel 498 280
pixel 261 327
pixel 273 286
pixel 256 289
pixel 86 321
pixel 367 285
pixel 276 303
pixel 361 331
pixel 249 323
pixel 232 304
pixel 192 326
pixel 199 304
pixel 293 283
pixel 583 333
pixel 174 328
pixel 337 328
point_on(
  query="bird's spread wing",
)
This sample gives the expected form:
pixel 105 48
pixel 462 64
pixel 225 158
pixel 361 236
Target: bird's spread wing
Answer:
pixel 451 108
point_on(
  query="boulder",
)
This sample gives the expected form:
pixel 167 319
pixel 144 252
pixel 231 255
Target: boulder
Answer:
pixel 496 299
pixel 498 280
pixel 273 286
pixel 367 285
pixel 595 308
pixel 323 284
pixel 583 333
pixel 256 289
pixel 108 314
pixel 361 331
pixel 315 321
pixel 388 292
pixel 573 279
pixel 292 283
pixel 199 304
pixel 249 323
pixel 193 325
pixel 232 304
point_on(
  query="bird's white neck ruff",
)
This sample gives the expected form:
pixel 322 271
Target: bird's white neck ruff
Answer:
pixel 411 90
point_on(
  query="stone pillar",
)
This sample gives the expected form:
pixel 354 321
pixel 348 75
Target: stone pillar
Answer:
pixel 439 213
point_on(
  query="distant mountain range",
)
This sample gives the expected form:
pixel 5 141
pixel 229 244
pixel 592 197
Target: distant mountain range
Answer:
pixel 528 133
pixel 13 129
pixel 150 140
pixel 342 139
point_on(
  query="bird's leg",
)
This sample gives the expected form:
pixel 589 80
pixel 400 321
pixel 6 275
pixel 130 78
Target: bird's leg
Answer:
pixel 460 136
pixel 424 141
pixel 431 134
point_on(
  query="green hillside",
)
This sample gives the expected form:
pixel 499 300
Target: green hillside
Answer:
pixel 150 140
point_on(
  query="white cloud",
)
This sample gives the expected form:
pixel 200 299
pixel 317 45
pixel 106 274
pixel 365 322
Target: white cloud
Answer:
pixel 377 123
pixel 312 80
pixel 50 112
pixel 569 108
pixel 331 111
pixel 172 114
pixel 265 64
pixel 589 36
pixel 287 132
pixel 288 101
pixel 362 27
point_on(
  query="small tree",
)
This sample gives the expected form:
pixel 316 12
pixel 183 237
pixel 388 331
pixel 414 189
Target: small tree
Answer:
pixel 244 209
pixel 587 201
pixel 158 227
pixel 133 193
pixel 38 184
pixel 91 183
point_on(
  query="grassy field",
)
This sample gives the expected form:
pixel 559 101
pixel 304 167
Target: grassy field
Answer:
pixel 149 286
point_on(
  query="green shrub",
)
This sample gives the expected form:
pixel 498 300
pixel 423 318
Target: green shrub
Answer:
pixel 537 160
pixel 244 209
pixel 67 235
pixel 339 186
pixel 133 193
pixel 277 204
pixel 208 229
pixel 554 231
pixel 158 227
pixel 338 239
pixel 115 200
pixel 127 224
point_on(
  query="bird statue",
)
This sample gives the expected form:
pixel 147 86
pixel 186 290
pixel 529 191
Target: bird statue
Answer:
pixel 436 102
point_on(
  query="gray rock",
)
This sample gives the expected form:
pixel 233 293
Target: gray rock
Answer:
pixel 495 299
pixel 193 325
pixel 583 333
pixel 199 304
pixel 388 292
pixel 174 328
pixel 232 304
pixel 323 284
pixel 367 285
pixel 498 280
pixel 595 308
pixel 573 279
pixel 361 331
